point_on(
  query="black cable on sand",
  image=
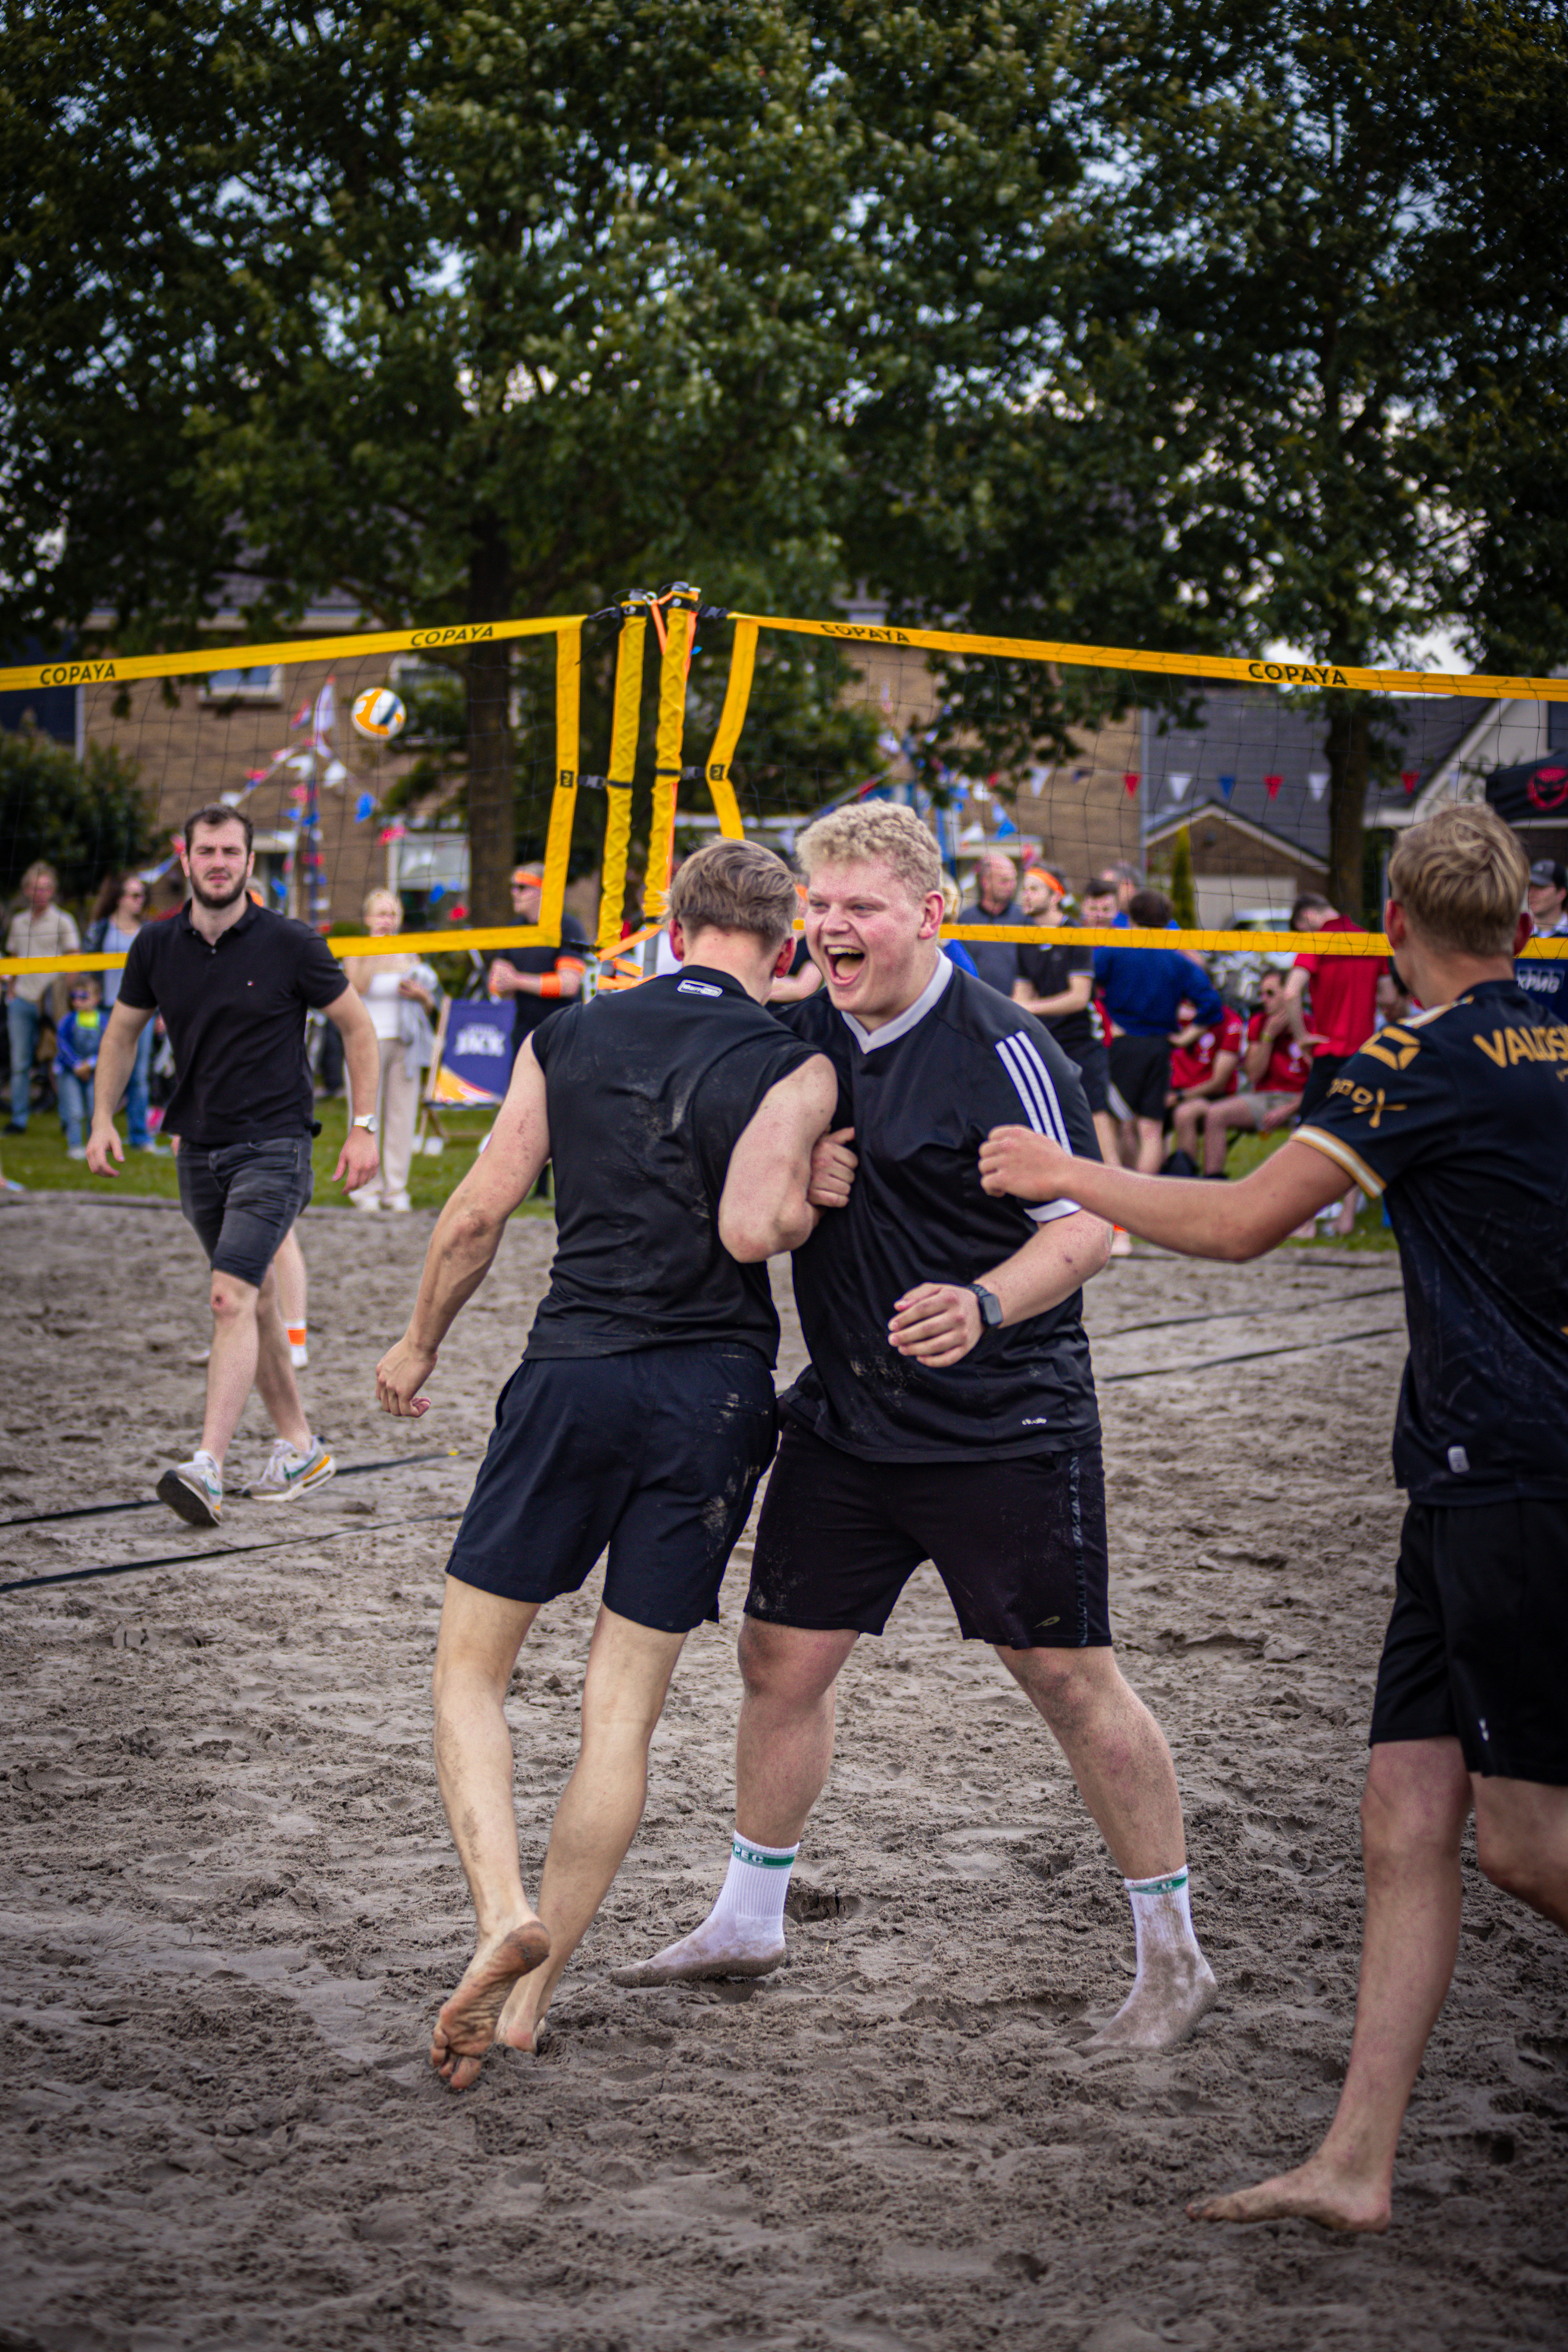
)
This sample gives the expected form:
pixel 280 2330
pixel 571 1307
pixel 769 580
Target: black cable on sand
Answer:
pixel 1223 1314
pixel 224 1551
pixel 151 1502
pixel 1247 1356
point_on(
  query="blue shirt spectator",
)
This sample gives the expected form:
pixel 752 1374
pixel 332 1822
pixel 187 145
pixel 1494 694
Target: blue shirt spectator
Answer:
pixel 1145 987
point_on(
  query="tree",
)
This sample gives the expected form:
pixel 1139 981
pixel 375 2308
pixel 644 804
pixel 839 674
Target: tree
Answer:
pixel 474 310
pixel 85 818
pixel 1184 900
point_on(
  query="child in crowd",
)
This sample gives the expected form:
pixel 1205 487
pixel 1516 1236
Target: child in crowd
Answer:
pixel 75 1058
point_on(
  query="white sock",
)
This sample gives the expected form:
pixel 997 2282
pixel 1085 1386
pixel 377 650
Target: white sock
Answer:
pixel 755 1885
pixel 1162 1917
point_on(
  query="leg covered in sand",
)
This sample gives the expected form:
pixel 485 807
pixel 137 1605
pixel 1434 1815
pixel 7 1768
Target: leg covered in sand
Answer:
pixel 1417 1797
pixel 782 1751
pixel 479 1638
pixel 1125 1773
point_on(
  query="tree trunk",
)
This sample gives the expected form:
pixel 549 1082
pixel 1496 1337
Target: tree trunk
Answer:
pixel 487 676
pixel 1348 751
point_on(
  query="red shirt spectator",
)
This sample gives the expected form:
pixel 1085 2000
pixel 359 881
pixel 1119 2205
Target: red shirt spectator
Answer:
pixel 1290 1064
pixel 1193 1063
pixel 1345 990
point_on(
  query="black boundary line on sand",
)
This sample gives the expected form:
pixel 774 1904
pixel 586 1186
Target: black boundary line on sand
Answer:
pixel 1249 1356
pixel 224 1551
pixel 1225 1313
pixel 151 1502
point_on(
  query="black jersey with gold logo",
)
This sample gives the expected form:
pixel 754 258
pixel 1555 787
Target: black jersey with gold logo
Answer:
pixel 1460 1116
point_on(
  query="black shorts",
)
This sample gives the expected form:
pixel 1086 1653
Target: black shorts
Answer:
pixel 1020 1545
pixel 1094 1075
pixel 1321 1077
pixel 655 1455
pixel 1141 1072
pixel 1477 1648
pixel 241 1199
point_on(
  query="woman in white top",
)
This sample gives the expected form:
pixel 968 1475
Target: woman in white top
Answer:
pixel 387 985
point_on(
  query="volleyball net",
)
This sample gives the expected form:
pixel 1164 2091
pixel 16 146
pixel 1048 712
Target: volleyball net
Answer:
pixel 598 749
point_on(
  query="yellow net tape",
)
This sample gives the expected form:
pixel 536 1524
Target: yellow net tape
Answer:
pixel 563 802
pixel 629 653
pixel 667 751
pixel 113 669
pixel 732 719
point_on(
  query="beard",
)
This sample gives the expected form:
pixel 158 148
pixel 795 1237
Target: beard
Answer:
pixel 211 900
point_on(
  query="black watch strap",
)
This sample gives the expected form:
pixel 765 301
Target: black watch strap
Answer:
pixel 990 1305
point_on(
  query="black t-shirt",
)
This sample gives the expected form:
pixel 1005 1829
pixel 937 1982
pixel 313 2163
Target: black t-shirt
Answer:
pixel 921 1094
pixel 528 1012
pixel 1461 1114
pixel 236 1012
pixel 648 1091
pixel 1047 972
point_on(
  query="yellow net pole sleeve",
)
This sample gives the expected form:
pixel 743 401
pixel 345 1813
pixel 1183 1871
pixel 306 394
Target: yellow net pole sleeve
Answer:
pixel 667 752
pixel 732 719
pixel 623 768
pixel 563 802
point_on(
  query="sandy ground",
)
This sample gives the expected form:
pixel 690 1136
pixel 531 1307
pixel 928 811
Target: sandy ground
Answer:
pixel 230 1909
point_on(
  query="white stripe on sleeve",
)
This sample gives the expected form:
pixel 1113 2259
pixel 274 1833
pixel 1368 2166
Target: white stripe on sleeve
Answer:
pixel 1032 1083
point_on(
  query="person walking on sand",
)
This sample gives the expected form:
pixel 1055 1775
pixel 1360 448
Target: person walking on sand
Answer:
pixel 681 1117
pixel 1458 1118
pixel 234 983
pixel 948 1414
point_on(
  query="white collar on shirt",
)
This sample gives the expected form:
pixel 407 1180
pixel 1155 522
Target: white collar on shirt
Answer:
pixel 910 1018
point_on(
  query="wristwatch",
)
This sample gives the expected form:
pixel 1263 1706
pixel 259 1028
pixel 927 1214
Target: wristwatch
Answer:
pixel 367 1122
pixel 990 1305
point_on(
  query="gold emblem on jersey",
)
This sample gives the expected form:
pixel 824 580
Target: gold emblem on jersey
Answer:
pixel 1394 1045
pixel 1366 1098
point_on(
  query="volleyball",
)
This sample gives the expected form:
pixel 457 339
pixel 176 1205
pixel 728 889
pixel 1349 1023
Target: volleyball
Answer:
pixel 379 714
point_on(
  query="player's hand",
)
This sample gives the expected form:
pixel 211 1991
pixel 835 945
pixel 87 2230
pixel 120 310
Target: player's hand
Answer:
pixel 936 1324
pixel 833 1166
pixel 358 1161
pixel 1017 1161
pixel 400 1375
pixel 100 1144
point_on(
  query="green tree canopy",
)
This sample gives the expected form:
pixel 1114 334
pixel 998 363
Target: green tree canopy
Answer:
pixel 85 818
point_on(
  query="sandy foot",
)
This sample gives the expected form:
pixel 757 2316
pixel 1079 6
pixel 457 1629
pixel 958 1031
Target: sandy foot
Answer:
pixel 469 2022
pixel 707 1951
pixel 1162 2008
pixel 1313 2192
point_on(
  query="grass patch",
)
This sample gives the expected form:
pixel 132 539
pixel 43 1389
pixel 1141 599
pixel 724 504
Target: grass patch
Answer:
pixel 1250 1152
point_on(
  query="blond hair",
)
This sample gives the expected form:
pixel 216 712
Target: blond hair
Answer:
pixel 734 886
pixel 875 829
pixel 1460 877
pixel 374 897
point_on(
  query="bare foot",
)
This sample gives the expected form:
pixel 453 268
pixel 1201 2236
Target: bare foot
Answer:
pixel 521 2025
pixel 709 1952
pixel 1313 2192
pixel 1162 2007
pixel 465 2027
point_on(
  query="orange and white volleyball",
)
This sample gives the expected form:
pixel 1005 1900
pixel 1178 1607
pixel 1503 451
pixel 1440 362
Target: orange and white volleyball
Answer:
pixel 379 714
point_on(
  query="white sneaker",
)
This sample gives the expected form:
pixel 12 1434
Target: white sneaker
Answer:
pixel 366 1198
pixel 401 1202
pixel 289 1471
pixel 76 1152
pixel 299 1354
pixel 195 1489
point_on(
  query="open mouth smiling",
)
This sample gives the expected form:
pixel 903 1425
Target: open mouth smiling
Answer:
pixel 844 964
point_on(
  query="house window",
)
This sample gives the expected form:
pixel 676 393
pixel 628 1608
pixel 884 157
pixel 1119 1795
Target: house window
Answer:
pixel 264 684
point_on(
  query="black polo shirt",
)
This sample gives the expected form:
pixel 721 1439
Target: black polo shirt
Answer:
pixel 1459 1118
pixel 648 1090
pixel 528 1012
pixel 922 1093
pixel 234 1011
pixel 1047 968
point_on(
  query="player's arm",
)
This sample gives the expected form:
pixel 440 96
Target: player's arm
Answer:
pixel 939 1322
pixel 468 1235
pixel 764 1207
pixel 1202 1219
pixel 116 1058
pixel 1073 998
pixel 359 1158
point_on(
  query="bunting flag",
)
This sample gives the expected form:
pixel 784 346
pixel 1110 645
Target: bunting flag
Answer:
pixel 1272 786
pixel 1132 780
pixel 326 708
pixel 301 717
pixel 365 806
pixel 1004 826
pixel 1226 786
pixel 1317 782
pixel 1410 778
pixel 337 775
pixel 1178 785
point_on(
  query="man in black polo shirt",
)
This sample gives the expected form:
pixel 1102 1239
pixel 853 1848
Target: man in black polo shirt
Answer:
pixel 234 983
pixel 681 1117
pixel 1055 981
pixel 1458 1118
pixel 948 1414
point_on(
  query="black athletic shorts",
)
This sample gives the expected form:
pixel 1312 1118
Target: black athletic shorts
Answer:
pixel 1319 1078
pixel 241 1199
pixel 655 1455
pixel 1094 1075
pixel 1141 1072
pixel 1020 1545
pixel 1477 1648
